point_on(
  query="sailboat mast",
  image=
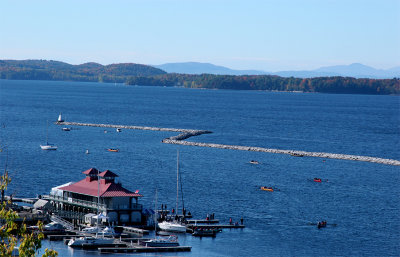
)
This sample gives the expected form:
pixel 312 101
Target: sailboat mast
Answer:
pixel 177 181
pixel 98 198
pixel 155 216
pixel 47 132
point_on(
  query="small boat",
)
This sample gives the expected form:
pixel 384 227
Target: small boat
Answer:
pixel 321 224
pixel 204 232
pixel 254 162
pixel 172 227
pixel 54 226
pixel 119 130
pixel 66 129
pixel 87 151
pixel 270 189
pixel 90 241
pixel 317 180
pixel 113 149
pixel 170 241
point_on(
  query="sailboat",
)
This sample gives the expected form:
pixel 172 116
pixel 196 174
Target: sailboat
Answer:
pixel 93 240
pixel 174 226
pixel 60 119
pixel 48 146
pixel 170 241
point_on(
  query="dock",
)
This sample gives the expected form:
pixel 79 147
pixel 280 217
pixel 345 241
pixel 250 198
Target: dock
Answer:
pixel 187 133
pixel 214 226
pixel 202 221
pixel 143 249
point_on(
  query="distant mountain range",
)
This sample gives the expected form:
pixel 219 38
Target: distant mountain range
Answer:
pixel 355 70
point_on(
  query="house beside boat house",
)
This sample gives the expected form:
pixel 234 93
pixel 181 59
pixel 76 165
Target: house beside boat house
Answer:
pixel 97 193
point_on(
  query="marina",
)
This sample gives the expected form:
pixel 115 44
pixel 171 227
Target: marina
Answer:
pixel 358 196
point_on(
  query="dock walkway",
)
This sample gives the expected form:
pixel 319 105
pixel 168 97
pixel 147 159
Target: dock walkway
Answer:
pixel 187 133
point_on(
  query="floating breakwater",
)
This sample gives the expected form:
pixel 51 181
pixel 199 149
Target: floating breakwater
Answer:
pixel 187 133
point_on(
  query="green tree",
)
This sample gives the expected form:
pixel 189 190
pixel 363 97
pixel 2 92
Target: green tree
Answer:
pixel 13 234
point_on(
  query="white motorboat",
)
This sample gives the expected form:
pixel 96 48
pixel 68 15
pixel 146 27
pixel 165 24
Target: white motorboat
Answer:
pixel 119 130
pixel 48 147
pixel 91 230
pixel 170 241
pixel 90 241
pixel 172 227
pixel 54 226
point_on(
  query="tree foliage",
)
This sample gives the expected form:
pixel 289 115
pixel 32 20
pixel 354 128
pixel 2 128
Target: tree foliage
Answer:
pixel 339 85
pixel 91 72
pixel 13 234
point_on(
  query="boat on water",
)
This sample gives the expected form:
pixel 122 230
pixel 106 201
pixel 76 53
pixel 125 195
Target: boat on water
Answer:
pixel 264 188
pixel 66 129
pixel 54 226
pixel 174 226
pixel 317 180
pixel 90 241
pixel 321 224
pixel 169 241
pixel 107 231
pixel 254 162
pixel 48 146
pixel 204 232
pixel 171 226
pixel 119 130
pixel 60 119
pixel 87 151
pixel 113 149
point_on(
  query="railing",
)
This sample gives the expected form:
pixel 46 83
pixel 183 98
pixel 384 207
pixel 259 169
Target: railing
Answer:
pixel 71 200
pixel 134 206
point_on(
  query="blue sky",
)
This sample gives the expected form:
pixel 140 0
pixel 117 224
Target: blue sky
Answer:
pixel 268 35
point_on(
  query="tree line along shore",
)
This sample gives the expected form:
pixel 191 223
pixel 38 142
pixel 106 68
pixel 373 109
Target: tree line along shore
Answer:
pixel 145 75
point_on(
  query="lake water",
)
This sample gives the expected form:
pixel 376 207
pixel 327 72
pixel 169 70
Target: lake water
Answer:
pixel 362 198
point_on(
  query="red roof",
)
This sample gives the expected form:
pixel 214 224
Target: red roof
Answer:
pixel 108 173
pixel 91 171
pixel 106 190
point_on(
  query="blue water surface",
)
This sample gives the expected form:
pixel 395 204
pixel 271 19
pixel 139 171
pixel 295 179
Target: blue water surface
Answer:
pixel 362 198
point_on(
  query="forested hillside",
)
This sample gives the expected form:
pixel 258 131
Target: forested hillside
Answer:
pixel 340 85
pixel 54 70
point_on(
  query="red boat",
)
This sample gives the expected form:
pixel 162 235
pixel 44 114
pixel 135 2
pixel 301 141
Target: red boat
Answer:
pixel 317 180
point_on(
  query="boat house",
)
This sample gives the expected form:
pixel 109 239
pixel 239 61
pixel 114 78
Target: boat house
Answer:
pixel 97 193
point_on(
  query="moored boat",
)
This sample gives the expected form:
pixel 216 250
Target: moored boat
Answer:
pixel 113 149
pixel 90 241
pixel 270 189
pixel 204 232
pixel 254 162
pixel 169 241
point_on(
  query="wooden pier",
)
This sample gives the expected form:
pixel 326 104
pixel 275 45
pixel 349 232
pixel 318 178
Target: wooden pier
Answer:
pixel 187 133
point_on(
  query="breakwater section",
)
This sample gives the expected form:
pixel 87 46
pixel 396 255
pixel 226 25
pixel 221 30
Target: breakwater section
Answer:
pixel 290 152
pixel 187 133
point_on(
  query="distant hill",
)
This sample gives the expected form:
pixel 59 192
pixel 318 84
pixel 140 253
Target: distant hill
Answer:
pixel 204 68
pixel 55 70
pixel 355 70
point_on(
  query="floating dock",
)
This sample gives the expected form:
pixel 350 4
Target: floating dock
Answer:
pixel 187 133
pixel 202 221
